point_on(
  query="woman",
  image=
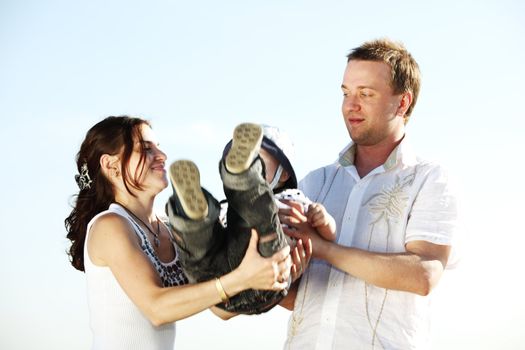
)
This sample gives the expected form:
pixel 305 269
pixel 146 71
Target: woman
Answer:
pixel 136 289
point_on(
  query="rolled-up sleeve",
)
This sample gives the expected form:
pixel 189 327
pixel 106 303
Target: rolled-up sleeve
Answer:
pixel 434 216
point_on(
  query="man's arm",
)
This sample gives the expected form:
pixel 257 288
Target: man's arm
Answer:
pixel 417 270
pixel 288 301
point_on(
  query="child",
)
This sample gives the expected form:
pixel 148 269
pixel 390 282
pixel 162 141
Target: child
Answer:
pixel 255 165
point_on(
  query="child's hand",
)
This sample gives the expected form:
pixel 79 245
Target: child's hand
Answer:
pixel 319 218
pixel 317 215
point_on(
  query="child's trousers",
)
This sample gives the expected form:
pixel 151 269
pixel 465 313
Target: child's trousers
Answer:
pixel 207 250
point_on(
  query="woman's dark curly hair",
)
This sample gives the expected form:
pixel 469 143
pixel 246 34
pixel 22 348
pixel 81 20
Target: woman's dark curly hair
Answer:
pixel 113 136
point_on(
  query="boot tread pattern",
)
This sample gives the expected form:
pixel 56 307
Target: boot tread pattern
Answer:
pixel 185 178
pixel 246 143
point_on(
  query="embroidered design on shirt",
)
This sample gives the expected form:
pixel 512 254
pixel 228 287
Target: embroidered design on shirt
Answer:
pixel 298 319
pixel 391 201
pixel 387 205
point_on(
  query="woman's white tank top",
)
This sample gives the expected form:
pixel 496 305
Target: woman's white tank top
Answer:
pixel 115 321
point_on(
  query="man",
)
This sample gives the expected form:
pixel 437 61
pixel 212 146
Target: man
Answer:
pixel 396 219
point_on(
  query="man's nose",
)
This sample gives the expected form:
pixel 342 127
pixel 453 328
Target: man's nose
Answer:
pixel 351 103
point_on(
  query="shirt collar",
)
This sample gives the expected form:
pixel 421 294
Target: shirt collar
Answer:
pixel 403 154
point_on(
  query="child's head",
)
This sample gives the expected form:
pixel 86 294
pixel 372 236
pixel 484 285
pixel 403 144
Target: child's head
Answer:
pixel 277 152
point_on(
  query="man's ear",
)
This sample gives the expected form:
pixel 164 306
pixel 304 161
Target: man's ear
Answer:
pixel 404 103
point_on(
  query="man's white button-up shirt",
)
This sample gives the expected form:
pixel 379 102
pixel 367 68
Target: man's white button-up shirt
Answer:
pixel 403 200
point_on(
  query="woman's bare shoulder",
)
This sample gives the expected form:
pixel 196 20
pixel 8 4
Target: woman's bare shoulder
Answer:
pixel 111 234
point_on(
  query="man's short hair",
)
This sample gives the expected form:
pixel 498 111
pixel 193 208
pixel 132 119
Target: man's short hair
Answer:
pixel 405 75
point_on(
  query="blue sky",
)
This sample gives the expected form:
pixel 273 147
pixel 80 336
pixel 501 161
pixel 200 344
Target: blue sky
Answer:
pixel 196 70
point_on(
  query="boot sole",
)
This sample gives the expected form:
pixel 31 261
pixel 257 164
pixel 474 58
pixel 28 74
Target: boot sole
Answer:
pixel 185 178
pixel 247 138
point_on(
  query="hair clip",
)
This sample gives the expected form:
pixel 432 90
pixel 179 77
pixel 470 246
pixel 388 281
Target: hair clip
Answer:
pixel 83 179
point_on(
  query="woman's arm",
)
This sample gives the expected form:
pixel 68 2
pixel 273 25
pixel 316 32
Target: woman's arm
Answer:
pixel 223 314
pixel 113 243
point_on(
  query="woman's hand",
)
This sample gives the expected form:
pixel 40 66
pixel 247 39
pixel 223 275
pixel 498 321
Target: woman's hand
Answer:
pixel 293 217
pixel 270 273
pixel 301 254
